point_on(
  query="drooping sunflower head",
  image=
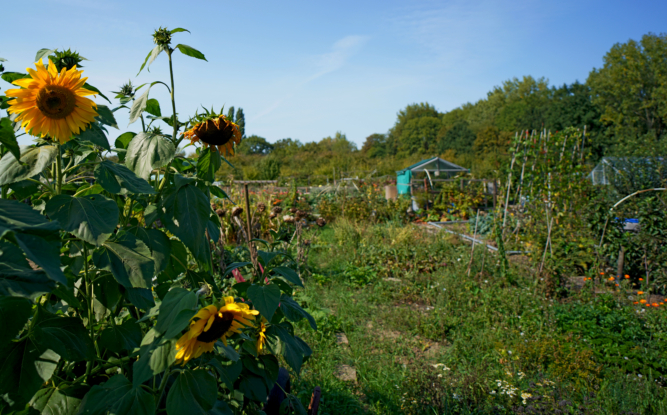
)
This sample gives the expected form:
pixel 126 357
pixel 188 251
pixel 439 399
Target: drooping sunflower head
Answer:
pixel 214 130
pixel 211 324
pixel 67 59
pixel 52 103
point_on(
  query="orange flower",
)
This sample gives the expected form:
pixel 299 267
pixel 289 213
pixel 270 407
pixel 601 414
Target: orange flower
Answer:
pixel 642 301
pixel 627 277
pixel 640 292
pixel 636 302
pixel 655 304
pixel 617 285
pixel 601 273
pixel 610 279
pixel 648 304
pixel 641 279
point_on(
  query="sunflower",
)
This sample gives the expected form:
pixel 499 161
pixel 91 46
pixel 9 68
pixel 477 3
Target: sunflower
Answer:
pixel 215 131
pixel 261 338
pixel 211 324
pixel 52 103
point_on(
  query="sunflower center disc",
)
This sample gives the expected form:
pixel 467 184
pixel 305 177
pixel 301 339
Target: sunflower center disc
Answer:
pixel 56 102
pixel 218 328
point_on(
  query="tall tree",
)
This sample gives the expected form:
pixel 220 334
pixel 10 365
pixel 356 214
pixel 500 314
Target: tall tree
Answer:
pixel 375 146
pixel 240 121
pixel 255 145
pixel 631 91
pixel 411 112
pixel 230 114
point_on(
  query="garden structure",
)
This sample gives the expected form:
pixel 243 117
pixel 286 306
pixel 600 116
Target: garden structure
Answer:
pixel 432 167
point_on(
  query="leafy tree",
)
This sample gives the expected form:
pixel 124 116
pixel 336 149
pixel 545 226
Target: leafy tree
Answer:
pixel 269 168
pixel 631 91
pixel 255 145
pixel 459 138
pixel 230 114
pixel 419 135
pixel 410 112
pixel 286 147
pixel 240 121
pixel 375 146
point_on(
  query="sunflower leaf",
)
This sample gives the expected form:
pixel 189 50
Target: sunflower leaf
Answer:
pixel 92 218
pixel 118 179
pixel 151 55
pixel 153 107
pixel 190 51
pixel 118 396
pixel 23 369
pixel 178 29
pixel 13 76
pixel 208 164
pixel 92 88
pixel 43 53
pixel 139 106
pixel 14 312
pixel 156 355
pixel 194 392
pixel 265 299
pixel 65 335
pixel 8 138
pixel 176 300
pixel 146 152
pixel 33 161
pixel 105 116
pixel 94 134
pixel 128 259
pixel 126 336
pixel 52 401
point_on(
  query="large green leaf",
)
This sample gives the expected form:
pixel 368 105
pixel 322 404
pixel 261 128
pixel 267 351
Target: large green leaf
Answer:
pixel 153 107
pixel 178 261
pixel 193 393
pixel 50 401
pixel 176 300
pixel 291 349
pixel 28 284
pixel 118 179
pixel 31 231
pixel 159 244
pixel 92 218
pixel 33 161
pixel 43 53
pixel 156 355
pixel 289 274
pixel 151 55
pixel 190 51
pixel 253 387
pixel 23 189
pixel 92 88
pixel 8 138
pixel 117 396
pixel 294 312
pixel 106 290
pixel 24 367
pixel 65 335
pixel 228 371
pixel 265 299
pixel 208 163
pixel 139 105
pixel 186 213
pixel 128 259
pixel 147 151
pixel 117 338
pixel 95 135
pixel 14 313
pixel 105 116
pixel 13 76
pixel 142 298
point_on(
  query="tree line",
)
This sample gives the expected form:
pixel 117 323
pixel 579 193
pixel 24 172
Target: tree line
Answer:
pixel 622 106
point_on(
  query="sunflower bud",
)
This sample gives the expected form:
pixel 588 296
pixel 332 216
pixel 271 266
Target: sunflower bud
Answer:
pixel 261 207
pixel 127 89
pixel 300 214
pixel 277 210
pixel 66 59
pixel 236 211
pixel 162 37
pixel 321 222
pixel 293 210
pixel 221 213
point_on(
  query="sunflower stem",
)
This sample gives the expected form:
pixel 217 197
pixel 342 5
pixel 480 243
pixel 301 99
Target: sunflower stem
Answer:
pixel 59 169
pixel 163 384
pixel 89 300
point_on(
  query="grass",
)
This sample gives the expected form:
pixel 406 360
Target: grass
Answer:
pixel 425 338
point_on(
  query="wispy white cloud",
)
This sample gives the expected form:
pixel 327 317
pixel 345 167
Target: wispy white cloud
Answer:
pixel 321 65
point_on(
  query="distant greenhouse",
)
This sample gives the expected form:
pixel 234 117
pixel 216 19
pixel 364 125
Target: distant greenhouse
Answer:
pixel 628 174
pixel 433 166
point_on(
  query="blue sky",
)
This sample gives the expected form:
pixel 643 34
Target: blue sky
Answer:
pixel 306 69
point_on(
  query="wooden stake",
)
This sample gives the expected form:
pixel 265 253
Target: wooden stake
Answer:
pixel 474 237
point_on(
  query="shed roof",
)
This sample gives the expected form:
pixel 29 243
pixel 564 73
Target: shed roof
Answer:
pixel 434 164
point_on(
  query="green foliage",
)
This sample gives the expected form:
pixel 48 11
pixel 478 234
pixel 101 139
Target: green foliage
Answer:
pixel 104 266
